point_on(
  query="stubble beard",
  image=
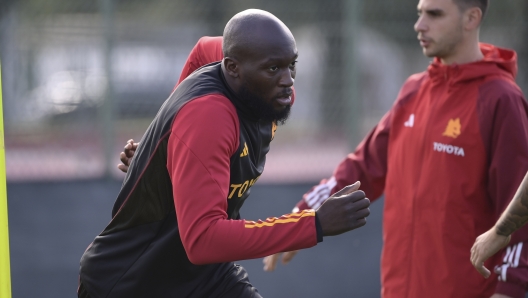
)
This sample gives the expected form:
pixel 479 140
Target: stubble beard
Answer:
pixel 447 47
pixel 262 108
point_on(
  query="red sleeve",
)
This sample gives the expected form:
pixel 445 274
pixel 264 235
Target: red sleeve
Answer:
pixel 513 280
pixel 204 135
pixel 504 127
pixel 207 50
pixel 367 164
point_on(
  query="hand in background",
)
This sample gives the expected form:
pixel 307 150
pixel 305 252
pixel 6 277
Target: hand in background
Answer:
pixel 270 262
pixel 126 155
pixel 484 247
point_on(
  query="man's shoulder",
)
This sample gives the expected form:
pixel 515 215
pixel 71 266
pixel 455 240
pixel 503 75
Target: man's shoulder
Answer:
pixel 498 88
pixel 410 87
pixel 502 85
pixel 212 105
pixel 205 124
pixel 212 101
pixel 417 78
pixel 205 80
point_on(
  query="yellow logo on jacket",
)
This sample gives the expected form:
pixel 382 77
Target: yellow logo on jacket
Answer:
pixel 453 128
pixel 245 151
pixel 273 129
pixel 242 187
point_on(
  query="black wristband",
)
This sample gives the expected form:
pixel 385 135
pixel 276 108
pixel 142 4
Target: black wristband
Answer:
pixel 318 229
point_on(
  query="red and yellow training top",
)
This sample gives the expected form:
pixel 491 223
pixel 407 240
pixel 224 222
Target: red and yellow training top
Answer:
pixel 176 226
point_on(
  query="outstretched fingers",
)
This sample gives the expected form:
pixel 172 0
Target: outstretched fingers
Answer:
pixel 288 256
pixel 270 262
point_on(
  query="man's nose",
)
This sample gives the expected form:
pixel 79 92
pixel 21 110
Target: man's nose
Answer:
pixel 420 25
pixel 287 79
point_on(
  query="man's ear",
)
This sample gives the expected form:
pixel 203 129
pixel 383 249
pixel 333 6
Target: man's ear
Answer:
pixel 231 67
pixel 472 18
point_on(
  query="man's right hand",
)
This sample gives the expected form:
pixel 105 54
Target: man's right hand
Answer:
pixel 126 155
pixel 344 211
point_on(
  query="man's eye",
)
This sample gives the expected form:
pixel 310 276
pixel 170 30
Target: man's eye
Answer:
pixel 293 63
pixel 273 68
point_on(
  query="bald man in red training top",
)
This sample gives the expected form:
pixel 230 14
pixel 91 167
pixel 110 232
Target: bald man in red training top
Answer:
pixel 176 228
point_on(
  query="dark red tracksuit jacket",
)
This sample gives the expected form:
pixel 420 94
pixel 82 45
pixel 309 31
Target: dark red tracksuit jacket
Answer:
pixel 449 155
pixel 175 228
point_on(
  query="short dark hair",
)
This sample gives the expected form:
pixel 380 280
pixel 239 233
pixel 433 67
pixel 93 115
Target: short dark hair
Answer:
pixel 465 4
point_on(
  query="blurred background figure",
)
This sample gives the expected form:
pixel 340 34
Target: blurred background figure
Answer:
pixel 80 78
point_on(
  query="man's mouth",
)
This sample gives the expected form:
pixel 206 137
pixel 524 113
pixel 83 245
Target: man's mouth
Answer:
pixel 284 99
pixel 424 42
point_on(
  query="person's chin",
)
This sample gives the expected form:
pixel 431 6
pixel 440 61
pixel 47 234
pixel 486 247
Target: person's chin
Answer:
pixel 429 52
pixel 279 108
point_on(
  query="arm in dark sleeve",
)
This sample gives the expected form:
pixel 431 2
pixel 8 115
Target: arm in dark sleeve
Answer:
pixel 207 50
pixel 507 143
pixel 367 164
pixel 204 136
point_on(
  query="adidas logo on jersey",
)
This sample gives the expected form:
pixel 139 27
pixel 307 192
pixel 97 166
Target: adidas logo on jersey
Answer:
pixel 245 151
pixel 410 122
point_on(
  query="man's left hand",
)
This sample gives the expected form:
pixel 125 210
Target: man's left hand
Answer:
pixel 270 262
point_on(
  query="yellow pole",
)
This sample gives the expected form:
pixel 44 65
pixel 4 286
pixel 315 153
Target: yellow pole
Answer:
pixel 5 271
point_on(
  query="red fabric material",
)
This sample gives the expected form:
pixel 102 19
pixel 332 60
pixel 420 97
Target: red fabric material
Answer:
pixel 511 290
pixel 449 156
pixel 513 281
pixel 207 50
pixel 204 136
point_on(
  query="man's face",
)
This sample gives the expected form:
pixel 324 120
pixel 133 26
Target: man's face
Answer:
pixel 267 80
pixel 439 27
